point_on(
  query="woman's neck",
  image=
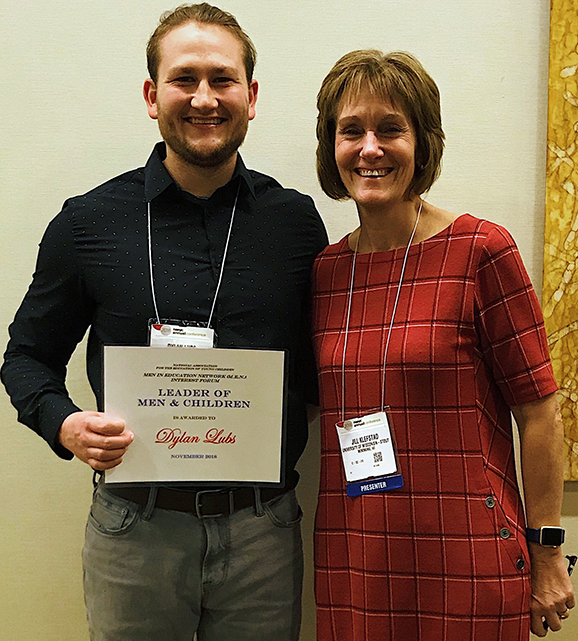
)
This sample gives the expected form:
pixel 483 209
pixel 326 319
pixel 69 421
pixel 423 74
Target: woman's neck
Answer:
pixel 385 230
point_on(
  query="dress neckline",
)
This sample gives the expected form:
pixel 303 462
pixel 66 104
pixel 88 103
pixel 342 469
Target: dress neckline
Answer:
pixel 344 248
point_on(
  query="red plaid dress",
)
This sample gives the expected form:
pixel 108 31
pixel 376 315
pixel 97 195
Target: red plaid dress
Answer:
pixel 444 558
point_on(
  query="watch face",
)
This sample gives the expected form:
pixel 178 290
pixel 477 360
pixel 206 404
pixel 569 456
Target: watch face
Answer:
pixel 552 536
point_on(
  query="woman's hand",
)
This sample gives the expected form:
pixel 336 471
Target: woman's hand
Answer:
pixel 552 593
pixel 541 439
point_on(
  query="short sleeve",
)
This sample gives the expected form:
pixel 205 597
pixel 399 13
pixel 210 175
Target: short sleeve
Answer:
pixel 510 322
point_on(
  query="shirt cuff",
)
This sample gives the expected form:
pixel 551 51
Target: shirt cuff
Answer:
pixel 55 409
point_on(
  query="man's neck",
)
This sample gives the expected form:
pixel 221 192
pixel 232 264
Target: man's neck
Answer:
pixel 199 181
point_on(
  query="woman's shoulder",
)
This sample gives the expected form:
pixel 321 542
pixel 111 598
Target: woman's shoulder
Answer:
pixel 483 232
pixel 334 250
pixel 481 226
pixel 330 261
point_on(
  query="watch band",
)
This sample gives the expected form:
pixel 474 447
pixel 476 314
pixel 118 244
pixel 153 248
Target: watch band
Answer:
pixel 548 535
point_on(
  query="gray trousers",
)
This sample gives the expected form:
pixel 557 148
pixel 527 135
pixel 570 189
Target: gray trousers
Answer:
pixel 160 575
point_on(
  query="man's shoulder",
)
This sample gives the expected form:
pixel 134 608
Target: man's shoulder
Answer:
pixel 115 199
pixel 126 185
pixel 274 197
pixel 293 214
pixel 265 184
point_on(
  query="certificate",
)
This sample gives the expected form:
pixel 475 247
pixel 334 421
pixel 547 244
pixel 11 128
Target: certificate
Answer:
pixel 203 416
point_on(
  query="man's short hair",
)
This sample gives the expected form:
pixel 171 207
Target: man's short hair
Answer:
pixel 399 78
pixel 203 13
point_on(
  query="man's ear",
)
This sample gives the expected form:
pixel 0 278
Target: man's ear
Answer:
pixel 150 95
pixel 253 91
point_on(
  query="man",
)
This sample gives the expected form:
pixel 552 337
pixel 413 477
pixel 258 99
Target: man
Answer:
pixel 193 236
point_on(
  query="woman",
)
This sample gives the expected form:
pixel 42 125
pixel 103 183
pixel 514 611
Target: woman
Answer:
pixel 433 315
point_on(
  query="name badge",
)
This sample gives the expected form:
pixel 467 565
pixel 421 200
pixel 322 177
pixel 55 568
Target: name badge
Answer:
pixel 368 454
pixel 170 335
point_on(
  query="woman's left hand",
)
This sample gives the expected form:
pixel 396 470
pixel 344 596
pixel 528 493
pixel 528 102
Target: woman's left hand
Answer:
pixel 552 593
pixel 542 455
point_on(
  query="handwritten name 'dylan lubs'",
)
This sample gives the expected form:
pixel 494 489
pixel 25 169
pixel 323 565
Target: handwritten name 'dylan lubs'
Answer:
pixel 173 436
pixel 193 397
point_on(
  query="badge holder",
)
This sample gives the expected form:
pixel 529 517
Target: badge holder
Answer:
pixel 367 443
pixel 369 454
pixel 169 332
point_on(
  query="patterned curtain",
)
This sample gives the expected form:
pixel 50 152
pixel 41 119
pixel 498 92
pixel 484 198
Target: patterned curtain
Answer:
pixel 560 295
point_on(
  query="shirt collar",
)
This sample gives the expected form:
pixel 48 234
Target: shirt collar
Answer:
pixel 158 179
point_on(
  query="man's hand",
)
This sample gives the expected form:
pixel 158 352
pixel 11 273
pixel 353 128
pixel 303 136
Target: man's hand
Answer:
pixel 95 438
pixel 552 595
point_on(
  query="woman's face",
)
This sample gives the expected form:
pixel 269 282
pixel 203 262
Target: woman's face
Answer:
pixel 374 150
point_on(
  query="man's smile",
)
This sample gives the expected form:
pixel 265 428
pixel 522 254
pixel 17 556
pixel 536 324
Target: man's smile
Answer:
pixel 196 120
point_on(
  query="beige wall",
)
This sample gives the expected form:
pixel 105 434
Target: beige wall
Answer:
pixel 73 116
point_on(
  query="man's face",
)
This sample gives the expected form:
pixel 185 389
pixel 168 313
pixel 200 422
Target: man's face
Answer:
pixel 202 99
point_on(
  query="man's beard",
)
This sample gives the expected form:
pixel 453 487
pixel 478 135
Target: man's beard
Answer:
pixel 197 156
